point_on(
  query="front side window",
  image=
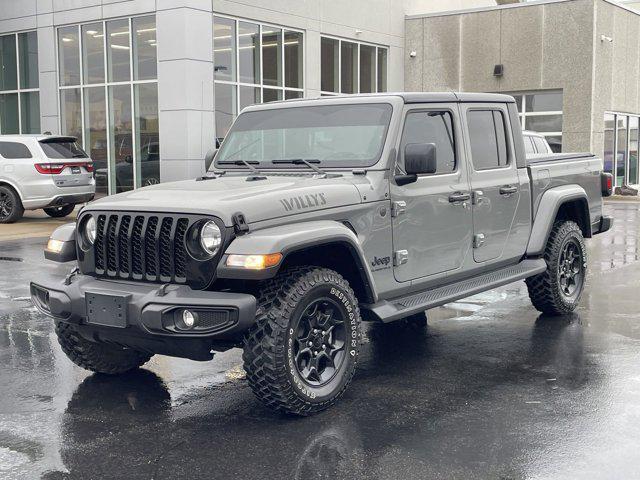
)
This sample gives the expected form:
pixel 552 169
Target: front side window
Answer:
pixel 329 135
pixel 487 136
pixel 14 150
pixel 431 127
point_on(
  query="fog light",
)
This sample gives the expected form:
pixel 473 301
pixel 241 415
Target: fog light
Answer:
pixel 188 318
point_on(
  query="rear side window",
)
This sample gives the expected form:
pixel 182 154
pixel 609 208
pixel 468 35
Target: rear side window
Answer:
pixel 487 135
pixel 431 127
pixel 528 145
pixel 541 145
pixel 61 149
pixel 11 150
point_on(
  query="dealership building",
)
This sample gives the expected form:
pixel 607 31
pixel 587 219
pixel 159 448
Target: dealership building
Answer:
pixel 147 86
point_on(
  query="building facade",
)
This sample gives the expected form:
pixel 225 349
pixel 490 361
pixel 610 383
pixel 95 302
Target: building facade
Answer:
pixel 572 65
pixel 148 85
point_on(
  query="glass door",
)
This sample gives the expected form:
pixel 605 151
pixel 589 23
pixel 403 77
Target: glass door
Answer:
pixel 632 170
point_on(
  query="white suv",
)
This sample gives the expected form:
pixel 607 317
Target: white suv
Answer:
pixel 43 171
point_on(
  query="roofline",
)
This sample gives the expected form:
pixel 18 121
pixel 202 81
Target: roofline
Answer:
pixel 531 3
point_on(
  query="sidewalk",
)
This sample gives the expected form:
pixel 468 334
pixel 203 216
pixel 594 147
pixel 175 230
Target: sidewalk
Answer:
pixel 35 223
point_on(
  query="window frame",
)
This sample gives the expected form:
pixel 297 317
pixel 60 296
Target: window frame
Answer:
pixel 105 84
pixel 523 114
pixel 19 90
pixel 237 84
pixel 358 43
pixel 456 143
pixel 508 131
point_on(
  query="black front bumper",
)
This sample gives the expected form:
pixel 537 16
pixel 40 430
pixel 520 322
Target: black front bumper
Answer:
pixel 147 316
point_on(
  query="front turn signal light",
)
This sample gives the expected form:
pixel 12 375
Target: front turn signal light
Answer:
pixel 254 262
pixel 54 246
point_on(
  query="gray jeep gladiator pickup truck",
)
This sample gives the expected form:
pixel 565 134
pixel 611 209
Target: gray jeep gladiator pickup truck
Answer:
pixel 317 215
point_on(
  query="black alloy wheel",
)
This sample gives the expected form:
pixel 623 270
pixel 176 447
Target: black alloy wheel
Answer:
pixel 571 269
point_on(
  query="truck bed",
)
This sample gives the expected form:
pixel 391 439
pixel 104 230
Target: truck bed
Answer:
pixel 548 171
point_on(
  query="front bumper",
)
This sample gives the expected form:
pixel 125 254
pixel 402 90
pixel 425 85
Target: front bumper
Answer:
pixel 146 316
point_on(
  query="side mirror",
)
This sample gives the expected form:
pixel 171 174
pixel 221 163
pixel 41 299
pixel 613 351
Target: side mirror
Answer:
pixel 208 159
pixel 420 158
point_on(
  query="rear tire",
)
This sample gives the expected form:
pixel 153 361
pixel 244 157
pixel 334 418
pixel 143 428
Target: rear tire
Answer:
pixel 98 357
pixel 11 209
pixel 558 289
pixel 301 354
pixel 59 212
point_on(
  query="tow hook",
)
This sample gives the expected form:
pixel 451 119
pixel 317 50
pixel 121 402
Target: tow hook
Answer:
pixel 72 273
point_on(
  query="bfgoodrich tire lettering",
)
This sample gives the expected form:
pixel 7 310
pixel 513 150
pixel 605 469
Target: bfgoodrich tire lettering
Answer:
pixel 546 289
pixel 97 357
pixel 270 346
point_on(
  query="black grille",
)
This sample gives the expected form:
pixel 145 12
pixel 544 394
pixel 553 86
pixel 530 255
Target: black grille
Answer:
pixel 141 247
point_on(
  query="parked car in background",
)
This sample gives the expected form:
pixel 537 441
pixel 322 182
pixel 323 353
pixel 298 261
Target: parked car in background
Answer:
pixel 51 172
pixel 535 144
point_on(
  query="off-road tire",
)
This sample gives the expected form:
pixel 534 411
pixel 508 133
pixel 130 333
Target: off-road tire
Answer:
pixel 16 210
pixel 98 357
pixel 59 212
pixel 268 346
pixel 544 288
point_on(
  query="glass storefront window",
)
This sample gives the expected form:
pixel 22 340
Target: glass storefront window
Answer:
pixel 147 134
pixel 28 51
pixel 71 112
pixel 272 56
pixel 330 68
pixel 621 148
pixel 367 69
pixel 93 53
pixel 293 59
pixel 9 113
pixel 8 63
pixel 30 112
pixel 112 108
pixel 271 95
pixel 609 142
pixel 249 52
pixel 541 111
pixel 145 59
pixel 121 137
pixel 382 69
pixel 544 123
pixel 118 46
pixel 95 135
pixel 249 96
pixel 225 107
pixel 69 55
pixel 224 48
pixel 348 67
pixel 544 102
pixel 633 151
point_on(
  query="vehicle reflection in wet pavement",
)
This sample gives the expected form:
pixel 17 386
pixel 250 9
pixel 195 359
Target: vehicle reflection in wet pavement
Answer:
pixel 490 389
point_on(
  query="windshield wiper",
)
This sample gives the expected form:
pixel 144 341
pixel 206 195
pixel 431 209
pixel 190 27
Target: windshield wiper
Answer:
pixel 248 164
pixel 301 161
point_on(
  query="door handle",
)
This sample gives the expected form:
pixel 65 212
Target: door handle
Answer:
pixel 508 189
pixel 459 197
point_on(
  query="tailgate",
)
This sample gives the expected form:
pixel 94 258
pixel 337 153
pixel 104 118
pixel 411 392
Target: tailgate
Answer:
pixel 68 164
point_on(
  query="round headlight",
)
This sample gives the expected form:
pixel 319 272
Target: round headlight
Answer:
pixel 210 238
pixel 90 230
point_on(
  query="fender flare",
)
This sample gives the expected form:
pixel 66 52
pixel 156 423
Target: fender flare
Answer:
pixel 288 239
pixel 545 216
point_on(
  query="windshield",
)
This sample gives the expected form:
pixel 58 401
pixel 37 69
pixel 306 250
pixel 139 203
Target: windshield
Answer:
pixel 330 135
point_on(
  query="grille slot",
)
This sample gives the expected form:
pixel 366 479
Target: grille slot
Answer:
pixel 139 246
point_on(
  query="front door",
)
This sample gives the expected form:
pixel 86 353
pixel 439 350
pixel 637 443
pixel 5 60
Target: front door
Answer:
pixel 494 180
pixel 432 225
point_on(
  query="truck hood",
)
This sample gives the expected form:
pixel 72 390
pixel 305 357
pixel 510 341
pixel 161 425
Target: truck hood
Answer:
pixel 276 196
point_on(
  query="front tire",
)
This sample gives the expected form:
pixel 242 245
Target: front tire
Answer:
pixel 557 290
pixel 301 354
pixel 98 357
pixel 11 209
pixel 59 212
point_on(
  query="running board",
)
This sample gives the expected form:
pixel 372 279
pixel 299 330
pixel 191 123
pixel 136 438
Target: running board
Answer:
pixel 397 308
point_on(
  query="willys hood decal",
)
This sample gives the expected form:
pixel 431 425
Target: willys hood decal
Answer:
pixel 276 196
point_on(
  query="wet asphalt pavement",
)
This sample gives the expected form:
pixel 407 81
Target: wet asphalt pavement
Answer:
pixel 490 389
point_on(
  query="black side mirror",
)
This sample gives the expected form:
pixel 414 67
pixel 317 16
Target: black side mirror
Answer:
pixel 420 158
pixel 209 158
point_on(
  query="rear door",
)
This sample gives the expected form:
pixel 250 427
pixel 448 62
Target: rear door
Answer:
pixel 432 216
pixel 494 179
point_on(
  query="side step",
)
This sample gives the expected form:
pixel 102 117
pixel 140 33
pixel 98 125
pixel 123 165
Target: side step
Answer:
pixel 400 307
